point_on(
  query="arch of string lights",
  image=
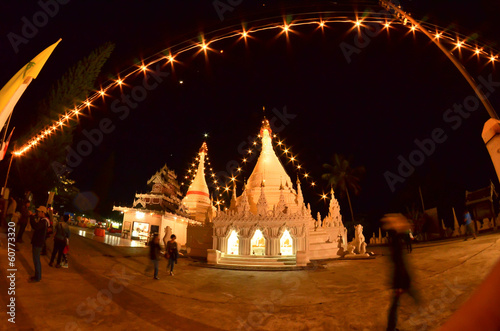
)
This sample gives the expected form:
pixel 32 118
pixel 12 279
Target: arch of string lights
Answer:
pixel 457 43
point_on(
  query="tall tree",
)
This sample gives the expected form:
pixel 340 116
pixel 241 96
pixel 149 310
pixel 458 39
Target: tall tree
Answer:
pixel 342 177
pixel 35 168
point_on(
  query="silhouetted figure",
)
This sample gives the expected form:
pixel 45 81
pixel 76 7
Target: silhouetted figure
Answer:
pixel 397 226
pixel 469 226
pixel 39 227
pixel 154 253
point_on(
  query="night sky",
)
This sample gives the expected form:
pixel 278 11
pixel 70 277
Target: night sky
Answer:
pixel 396 90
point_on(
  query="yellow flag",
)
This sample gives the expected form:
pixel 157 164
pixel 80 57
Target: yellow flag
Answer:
pixel 12 91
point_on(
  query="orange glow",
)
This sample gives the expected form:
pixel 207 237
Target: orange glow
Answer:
pixel 321 24
pixel 313 183
pixel 119 82
pixel 437 35
pixel 413 28
pixel 387 25
pixel 244 160
pixel 101 92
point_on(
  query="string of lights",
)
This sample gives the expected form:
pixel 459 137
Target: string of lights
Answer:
pixel 171 56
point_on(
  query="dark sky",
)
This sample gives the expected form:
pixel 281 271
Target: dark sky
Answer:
pixel 394 91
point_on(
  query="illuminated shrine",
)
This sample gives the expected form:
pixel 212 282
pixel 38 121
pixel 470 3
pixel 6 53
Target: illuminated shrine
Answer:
pixel 270 218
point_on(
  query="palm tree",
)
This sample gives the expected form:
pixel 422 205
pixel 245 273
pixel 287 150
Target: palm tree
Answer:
pixel 342 177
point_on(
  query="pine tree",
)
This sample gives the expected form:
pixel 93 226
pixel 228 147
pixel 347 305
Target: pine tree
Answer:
pixel 35 169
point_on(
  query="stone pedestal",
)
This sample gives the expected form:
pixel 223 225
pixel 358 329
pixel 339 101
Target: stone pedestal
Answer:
pixel 302 258
pixel 213 256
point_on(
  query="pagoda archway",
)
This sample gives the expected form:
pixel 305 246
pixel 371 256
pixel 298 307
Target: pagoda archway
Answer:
pixel 286 244
pixel 233 243
pixel 258 243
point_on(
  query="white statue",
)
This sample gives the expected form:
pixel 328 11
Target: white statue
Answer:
pixel 359 238
pixel 168 233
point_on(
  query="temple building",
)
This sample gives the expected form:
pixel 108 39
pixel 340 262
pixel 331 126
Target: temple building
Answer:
pixel 271 220
pixel 153 212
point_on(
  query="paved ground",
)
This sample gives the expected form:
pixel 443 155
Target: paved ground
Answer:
pixel 108 287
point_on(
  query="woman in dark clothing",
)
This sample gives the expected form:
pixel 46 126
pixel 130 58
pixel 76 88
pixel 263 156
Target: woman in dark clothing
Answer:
pixel 154 253
pixel 172 253
pixel 60 239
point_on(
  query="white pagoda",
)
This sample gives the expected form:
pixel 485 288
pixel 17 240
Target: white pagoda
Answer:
pixel 270 219
pixel 197 201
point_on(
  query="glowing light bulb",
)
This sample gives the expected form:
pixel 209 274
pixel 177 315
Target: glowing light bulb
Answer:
pixel 437 35
pixel 387 25
pixel 285 28
pixel 87 103
pixel 101 92
pixel 459 44
pixel 239 169
pixel 233 179
pixel 321 24
pixel 477 51
pixel 492 58
pixel 313 183
pixel 244 160
pixel 244 34
pixel 306 175
pixel 413 28
pixel 323 196
pixel 298 167
pixel 358 23
pixel 292 158
pixel 143 68
pixel 286 150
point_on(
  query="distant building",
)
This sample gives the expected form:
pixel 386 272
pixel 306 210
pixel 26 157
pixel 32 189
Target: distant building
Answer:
pixel 482 203
pixel 152 212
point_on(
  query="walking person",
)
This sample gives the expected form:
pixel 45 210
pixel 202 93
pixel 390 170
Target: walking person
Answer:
pixel 39 225
pixel 61 237
pixel 154 253
pixel 408 239
pixel 26 214
pixel 11 209
pixel 469 226
pixel 397 226
pixel 50 231
pixel 172 253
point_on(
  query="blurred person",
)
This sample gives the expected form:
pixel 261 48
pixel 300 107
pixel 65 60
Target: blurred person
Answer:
pixel 50 231
pixel 39 225
pixel 11 209
pixel 154 253
pixel 408 239
pixel 397 226
pixel 26 214
pixel 469 226
pixel 61 237
pixel 172 253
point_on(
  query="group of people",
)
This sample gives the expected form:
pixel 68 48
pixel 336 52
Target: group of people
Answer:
pixel 171 253
pixel 41 224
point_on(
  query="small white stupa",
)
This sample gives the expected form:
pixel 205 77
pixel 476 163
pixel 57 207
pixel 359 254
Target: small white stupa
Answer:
pixel 197 200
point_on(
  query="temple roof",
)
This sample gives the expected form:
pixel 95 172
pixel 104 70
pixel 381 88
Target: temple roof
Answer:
pixel 269 174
